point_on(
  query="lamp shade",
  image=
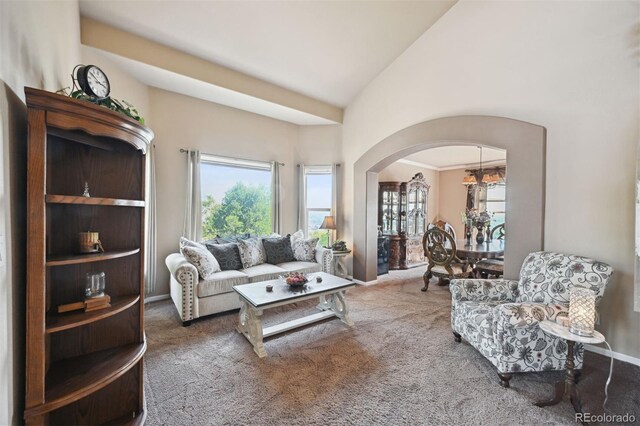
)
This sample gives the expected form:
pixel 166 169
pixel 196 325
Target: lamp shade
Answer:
pixel 469 180
pixel 582 311
pixel 328 223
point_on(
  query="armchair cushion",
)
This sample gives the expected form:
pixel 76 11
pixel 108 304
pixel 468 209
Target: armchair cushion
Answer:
pixel 483 290
pixel 547 277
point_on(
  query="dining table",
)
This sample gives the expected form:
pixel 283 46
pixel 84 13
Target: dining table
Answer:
pixel 470 254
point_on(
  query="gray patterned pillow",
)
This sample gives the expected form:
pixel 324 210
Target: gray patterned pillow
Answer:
pixel 202 259
pixel 305 250
pixel 227 255
pixel 252 252
pixel 278 250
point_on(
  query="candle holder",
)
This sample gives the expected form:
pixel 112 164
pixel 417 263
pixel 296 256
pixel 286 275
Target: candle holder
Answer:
pixel 582 311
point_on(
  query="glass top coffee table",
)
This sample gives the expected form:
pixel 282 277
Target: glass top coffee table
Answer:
pixel 255 299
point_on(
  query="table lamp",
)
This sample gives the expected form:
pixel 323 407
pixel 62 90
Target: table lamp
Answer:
pixel 582 311
pixel 329 224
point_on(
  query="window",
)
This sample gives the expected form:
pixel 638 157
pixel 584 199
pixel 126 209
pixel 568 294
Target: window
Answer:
pixel 319 184
pixel 236 197
pixel 496 195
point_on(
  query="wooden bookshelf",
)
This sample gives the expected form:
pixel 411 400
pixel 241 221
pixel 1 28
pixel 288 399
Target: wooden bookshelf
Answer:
pixel 93 201
pixel 72 259
pixel 84 367
pixel 64 321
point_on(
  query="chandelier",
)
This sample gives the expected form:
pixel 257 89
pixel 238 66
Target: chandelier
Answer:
pixel 487 177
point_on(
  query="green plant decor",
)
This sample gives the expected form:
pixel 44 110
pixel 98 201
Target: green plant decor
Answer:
pixel 123 107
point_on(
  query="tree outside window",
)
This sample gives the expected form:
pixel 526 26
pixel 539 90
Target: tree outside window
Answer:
pixel 236 200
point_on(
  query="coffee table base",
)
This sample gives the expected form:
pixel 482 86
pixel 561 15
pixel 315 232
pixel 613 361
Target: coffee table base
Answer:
pixel 250 325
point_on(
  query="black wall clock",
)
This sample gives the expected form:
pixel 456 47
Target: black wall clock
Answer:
pixel 93 81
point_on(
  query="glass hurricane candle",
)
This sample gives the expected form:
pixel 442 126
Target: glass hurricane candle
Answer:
pixel 582 311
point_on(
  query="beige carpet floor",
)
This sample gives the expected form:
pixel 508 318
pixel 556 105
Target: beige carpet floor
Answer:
pixel 398 365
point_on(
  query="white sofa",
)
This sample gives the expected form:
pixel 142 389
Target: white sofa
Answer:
pixel 195 298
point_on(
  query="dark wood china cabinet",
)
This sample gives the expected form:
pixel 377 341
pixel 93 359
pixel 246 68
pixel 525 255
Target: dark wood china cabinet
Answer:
pixel 402 216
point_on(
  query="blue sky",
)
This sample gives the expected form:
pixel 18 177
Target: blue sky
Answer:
pixel 216 180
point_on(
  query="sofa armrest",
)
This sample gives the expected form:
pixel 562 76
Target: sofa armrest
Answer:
pixel 483 290
pixel 184 277
pixel 324 257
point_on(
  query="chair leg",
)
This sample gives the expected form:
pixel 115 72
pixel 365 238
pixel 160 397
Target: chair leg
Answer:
pixel 504 379
pixel 426 277
pixel 457 337
pixel 186 323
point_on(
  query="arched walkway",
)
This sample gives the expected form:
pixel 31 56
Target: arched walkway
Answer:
pixel 525 146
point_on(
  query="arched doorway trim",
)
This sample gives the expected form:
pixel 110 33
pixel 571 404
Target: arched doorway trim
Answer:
pixel 525 145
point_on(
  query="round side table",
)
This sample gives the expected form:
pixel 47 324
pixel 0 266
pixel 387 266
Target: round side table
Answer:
pixel 567 389
pixel 339 268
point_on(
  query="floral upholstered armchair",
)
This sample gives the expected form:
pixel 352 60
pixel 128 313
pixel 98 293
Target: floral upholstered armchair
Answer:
pixel 500 318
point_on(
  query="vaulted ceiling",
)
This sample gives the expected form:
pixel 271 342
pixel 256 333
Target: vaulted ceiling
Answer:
pixel 325 50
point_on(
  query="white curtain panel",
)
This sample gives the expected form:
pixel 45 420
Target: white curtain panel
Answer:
pixel 302 199
pixel 193 208
pixel 151 249
pixel 276 218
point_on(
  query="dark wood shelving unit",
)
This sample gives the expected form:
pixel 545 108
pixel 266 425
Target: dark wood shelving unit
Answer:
pixel 75 378
pixel 92 201
pixel 84 368
pixel 73 259
pixel 59 322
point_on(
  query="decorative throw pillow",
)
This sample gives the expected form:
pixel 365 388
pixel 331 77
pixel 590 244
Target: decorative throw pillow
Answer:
pixel 185 242
pixel 278 250
pixel 252 252
pixel 227 255
pixel 297 236
pixel 305 250
pixel 202 259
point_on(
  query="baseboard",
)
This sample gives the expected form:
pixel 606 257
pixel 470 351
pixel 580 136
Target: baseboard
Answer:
pixel 150 299
pixel 364 283
pixel 616 355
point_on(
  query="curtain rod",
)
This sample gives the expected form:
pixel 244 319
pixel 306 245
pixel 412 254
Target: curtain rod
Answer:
pixel 182 150
pixel 337 165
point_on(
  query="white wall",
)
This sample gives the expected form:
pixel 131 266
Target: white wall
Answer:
pixel 571 67
pixel 400 172
pixel 452 199
pixel 39 46
pixel 123 86
pixel 183 122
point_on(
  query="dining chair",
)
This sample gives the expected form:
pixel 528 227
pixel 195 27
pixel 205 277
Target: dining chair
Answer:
pixel 445 226
pixel 492 267
pixel 501 230
pixel 440 250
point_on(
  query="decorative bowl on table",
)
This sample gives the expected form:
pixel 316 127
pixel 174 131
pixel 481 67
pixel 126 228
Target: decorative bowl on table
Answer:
pixel 295 279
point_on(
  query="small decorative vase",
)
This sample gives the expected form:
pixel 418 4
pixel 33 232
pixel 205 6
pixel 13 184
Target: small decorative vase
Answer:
pixel 480 235
pixel 488 234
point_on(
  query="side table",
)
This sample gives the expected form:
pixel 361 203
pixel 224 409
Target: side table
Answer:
pixel 567 389
pixel 339 267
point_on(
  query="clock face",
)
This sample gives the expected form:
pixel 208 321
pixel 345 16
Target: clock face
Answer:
pixel 97 82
